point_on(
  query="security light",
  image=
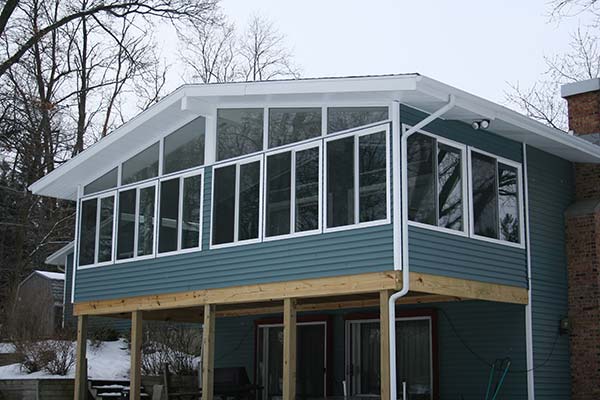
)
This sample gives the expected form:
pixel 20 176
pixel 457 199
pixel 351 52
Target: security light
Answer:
pixel 481 124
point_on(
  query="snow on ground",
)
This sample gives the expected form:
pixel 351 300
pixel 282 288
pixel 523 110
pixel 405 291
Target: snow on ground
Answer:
pixel 110 361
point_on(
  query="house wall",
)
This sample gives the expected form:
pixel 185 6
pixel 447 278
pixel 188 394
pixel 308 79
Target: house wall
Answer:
pixel 551 191
pixel 490 330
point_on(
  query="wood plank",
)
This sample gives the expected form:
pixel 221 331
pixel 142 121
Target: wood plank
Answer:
pixel 312 288
pixel 330 286
pixel 208 352
pixel 289 349
pixel 135 374
pixel 80 384
pixel 384 332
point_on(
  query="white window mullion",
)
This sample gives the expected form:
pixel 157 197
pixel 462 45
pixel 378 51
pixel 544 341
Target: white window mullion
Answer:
pixel 180 215
pixel 436 182
pixel 323 121
pixel 136 222
pixel 356 180
pixel 321 188
pixel 236 213
pixel 497 188
pixel 161 147
pixel 265 128
pixel 97 238
pixel 293 192
pixel 155 227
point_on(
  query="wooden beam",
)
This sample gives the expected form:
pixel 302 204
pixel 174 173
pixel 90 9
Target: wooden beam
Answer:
pixel 427 284
pixel 330 286
pixel 135 374
pixel 384 332
pixel 289 349
pixel 208 352
pixel 80 390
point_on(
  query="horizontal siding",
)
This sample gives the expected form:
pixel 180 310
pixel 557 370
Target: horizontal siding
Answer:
pixel 550 193
pixel 457 256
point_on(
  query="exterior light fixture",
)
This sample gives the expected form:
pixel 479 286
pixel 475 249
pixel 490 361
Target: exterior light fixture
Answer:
pixel 481 124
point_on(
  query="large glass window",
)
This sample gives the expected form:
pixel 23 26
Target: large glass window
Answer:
pixel 342 118
pixel 290 125
pixel 495 197
pixel 105 182
pixel 180 213
pixel 135 224
pixel 143 165
pixel 239 132
pixel 87 233
pixel 236 199
pixel 435 182
pixel 292 203
pixel 357 176
pixel 96 230
pixel 184 148
pixel 105 230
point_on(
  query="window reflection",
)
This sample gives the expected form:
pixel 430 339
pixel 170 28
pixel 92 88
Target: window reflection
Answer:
pixel 372 177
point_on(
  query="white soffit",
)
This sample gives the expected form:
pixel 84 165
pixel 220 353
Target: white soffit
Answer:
pixel 190 101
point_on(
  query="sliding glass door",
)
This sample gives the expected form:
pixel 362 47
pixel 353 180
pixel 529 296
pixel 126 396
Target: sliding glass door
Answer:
pixel 413 357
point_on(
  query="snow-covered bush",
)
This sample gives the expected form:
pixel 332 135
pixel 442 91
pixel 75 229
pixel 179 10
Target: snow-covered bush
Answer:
pixel 55 356
pixel 172 344
pixel 36 354
pixel 62 359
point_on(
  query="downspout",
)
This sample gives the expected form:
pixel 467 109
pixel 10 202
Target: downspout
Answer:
pixel 400 148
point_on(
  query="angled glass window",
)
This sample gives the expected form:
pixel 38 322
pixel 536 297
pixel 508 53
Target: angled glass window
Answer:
pixel 292 203
pixel 184 148
pixel 105 182
pixel 143 165
pixel 236 199
pixel 105 231
pixel 87 232
pixel 435 182
pixel 357 174
pixel 343 118
pixel 239 132
pixel 290 125
pixel 126 224
pixel 496 203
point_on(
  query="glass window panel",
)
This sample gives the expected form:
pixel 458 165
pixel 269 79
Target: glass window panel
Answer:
pixel 184 148
pixel 307 190
pixel 421 179
pixel 126 224
pixel 105 182
pixel 342 118
pixel 340 182
pixel 190 229
pixel 289 125
pixel 508 201
pixel 224 205
pixel 239 132
pixel 450 187
pixel 87 234
pixel 146 221
pixel 105 244
pixel 279 179
pixel 249 200
pixel 485 197
pixel 169 215
pixel 372 177
pixel 143 165
pixel 413 358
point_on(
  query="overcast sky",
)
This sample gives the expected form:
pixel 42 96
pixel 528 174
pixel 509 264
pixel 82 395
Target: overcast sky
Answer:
pixel 474 45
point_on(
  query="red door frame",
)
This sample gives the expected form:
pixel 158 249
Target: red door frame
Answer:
pixel 304 318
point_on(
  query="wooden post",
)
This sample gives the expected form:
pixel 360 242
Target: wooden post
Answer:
pixel 208 352
pixel 135 374
pixel 384 330
pixel 289 349
pixel 80 361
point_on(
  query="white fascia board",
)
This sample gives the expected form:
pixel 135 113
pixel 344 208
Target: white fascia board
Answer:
pixel 573 88
pixel 38 186
pixel 589 152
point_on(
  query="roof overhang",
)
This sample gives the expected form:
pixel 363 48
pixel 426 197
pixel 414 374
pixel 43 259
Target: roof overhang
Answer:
pixel 59 257
pixel 191 101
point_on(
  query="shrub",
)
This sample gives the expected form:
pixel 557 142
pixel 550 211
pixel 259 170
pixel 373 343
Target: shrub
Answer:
pixel 103 334
pixel 62 359
pixel 172 344
pixel 55 356
pixel 35 355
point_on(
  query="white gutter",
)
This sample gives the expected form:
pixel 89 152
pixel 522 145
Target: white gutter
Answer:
pixel 404 204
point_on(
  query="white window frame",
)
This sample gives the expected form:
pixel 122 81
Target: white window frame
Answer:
pixel 136 222
pixel 238 163
pixel 97 198
pixel 348 347
pixel 181 177
pixel 519 168
pixel 465 186
pixel 357 134
pixel 293 150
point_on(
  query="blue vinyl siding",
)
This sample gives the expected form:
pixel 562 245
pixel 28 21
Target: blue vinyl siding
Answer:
pixel 446 254
pixel 551 191
pixel 491 330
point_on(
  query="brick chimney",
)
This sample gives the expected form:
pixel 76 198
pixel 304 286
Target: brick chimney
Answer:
pixel 583 245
